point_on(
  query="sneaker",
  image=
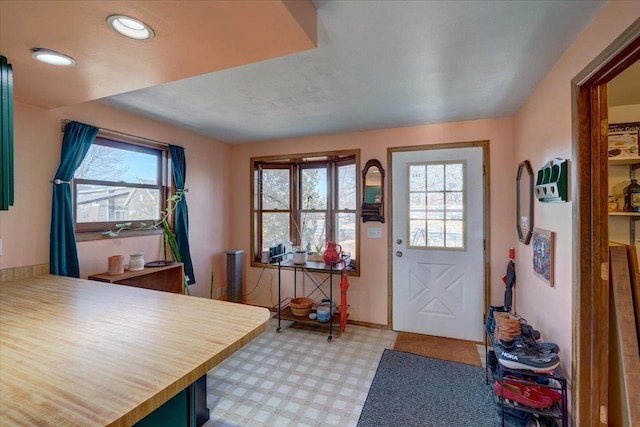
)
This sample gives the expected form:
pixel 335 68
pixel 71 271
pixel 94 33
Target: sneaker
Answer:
pixel 524 341
pixel 522 394
pixel 555 395
pixel 528 331
pixel 528 358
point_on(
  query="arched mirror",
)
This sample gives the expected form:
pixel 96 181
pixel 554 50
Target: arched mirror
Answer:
pixel 373 192
pixel 524 202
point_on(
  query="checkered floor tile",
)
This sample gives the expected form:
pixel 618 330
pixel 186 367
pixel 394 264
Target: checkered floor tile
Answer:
pixel 296 378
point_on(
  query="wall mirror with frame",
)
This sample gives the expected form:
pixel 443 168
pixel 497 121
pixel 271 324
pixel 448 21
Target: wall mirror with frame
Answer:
pixel 373 192
pixel 524 202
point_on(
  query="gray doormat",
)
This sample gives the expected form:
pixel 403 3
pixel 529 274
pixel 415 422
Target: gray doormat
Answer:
pixel 412 390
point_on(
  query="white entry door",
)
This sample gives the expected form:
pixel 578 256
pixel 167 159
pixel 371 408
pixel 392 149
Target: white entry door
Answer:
pixel 438 242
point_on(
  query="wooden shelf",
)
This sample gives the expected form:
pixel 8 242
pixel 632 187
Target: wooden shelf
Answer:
pixel 168 278
pixel 624 213
pixel 620 161
pixel 304 320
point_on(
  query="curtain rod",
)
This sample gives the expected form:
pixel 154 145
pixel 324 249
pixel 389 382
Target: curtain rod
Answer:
pixel 124 137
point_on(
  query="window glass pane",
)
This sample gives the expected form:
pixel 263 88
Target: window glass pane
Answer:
pixel 435 215
pixel 417 233
pixel 454 215
pixel 275 229
pixel 313 228
pixel 346 226
pixel 347 188
pixel 455 175
pixel 435 201
pixel 417 178
pixel 314 188
pixel 275 189
pixel 104 203
pixel 105 163
pixel 417 205
pixel 454 201
pixel 435 177
pixel 435 233
pixel 455 234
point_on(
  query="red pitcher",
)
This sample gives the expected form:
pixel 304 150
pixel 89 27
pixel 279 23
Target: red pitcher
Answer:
pixel 331 253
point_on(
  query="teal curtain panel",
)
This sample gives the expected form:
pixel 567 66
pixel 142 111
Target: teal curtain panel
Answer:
pixel 6 135
pixel 63 257
pixel 182 212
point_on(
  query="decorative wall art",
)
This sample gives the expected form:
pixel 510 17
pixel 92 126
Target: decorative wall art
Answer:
pixel 543 243
pixel 551 183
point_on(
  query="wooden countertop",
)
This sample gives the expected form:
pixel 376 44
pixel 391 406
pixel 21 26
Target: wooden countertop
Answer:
pixel 76 352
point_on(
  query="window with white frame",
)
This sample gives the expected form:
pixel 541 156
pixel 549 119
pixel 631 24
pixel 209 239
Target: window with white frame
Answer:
pixel 437 216
pixel 305 201
pixel 119 182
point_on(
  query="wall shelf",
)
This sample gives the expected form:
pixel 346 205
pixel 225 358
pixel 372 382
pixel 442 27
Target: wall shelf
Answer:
pixel 621 161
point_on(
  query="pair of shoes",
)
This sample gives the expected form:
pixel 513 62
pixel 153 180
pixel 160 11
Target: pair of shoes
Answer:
pixel 555 395
pixel 527 356
pixel 522 394
pixel 525 341
pixel 507 326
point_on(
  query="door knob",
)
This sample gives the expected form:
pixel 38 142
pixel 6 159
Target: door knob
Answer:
pixel 399 254
pixel 399 241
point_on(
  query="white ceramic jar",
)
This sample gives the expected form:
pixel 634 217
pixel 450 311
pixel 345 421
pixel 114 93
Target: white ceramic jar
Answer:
pixel 136 261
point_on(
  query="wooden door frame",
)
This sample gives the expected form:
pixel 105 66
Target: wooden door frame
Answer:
pixel 590 335
pixel 484 144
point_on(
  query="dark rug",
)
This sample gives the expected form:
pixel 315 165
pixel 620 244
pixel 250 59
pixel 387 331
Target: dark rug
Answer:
pixel 411 390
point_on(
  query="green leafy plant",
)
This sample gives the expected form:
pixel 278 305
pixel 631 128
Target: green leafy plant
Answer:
pixel 168 236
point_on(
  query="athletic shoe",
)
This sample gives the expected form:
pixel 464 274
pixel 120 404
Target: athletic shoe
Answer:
pixel 522 394
pixel 528 331
pixel 555 395
pixel 524 341
pixel 527 358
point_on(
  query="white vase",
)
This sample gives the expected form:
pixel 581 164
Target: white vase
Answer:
pixel 136 261
pixel 299 257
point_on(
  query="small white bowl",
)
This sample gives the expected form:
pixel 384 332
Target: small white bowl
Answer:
pixel 312 316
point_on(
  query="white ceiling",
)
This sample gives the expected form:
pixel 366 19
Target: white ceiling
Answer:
pixel 378 64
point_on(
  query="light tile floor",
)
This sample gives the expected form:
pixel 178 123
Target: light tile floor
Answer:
pixel 297 378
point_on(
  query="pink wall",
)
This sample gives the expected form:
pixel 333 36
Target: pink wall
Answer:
pixel 24 229
pixel 542 131
pixel 368 293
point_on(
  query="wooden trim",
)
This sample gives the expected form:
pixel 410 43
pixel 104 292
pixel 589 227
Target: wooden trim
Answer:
pixel 485 144
pixel 590 229
pixel 624 344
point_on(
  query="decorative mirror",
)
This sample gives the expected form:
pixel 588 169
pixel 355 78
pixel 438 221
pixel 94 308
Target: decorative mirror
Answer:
pixel 373 192
pixel 524 202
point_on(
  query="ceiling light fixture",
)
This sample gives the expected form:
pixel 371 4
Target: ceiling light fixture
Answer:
pixel 52 57
pixel 130 27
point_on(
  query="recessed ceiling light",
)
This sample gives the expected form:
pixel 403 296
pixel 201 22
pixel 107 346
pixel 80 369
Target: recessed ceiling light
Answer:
pixel 52 57
pixel 130 27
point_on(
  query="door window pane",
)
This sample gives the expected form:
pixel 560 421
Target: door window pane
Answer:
pixel 436 193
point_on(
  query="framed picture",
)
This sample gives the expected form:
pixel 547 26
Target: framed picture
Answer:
pixel 542 243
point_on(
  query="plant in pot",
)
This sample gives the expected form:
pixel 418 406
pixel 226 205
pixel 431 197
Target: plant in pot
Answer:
pixel 168 236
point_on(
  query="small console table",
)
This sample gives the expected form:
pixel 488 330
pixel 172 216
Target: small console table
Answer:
pixel 168 278
pixel 308 268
